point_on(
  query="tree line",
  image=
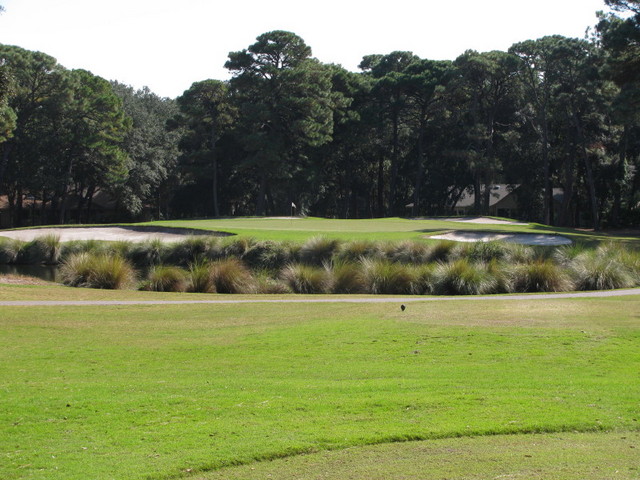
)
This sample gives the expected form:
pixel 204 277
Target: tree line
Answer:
pixel 403 136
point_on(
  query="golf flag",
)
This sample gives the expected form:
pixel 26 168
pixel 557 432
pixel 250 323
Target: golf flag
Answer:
pixel 293 205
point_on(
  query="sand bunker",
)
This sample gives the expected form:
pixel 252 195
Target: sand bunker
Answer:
pixel 484 220
pixel 132 234
pixel 522 238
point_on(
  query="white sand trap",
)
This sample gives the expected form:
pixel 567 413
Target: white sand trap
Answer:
pixel 484 220
pixel 522 238
pixel 113 234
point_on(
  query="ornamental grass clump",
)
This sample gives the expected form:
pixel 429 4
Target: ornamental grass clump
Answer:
pixel 302 278
pixel 345 277
pixel 148 253
pixel 81 246
pixel 191 250
pixel 318 250
pixel 385 277
pixel 97 271
pixel 487 251
pixel 199 278
pixel 45 249
pixel 266 284
pixel 230 275
pixel 268 255
pixel 408 252
pixel 442 251
pixel 356 250
pixel 9 249
pixel 462 277
pixel 165 278
pixel 541 275
pixel 601 269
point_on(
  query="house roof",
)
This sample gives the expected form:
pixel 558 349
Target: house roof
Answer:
pixel 499 191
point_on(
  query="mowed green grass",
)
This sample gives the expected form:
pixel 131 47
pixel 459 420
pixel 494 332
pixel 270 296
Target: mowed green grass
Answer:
pixel 301 229
pixel 171 391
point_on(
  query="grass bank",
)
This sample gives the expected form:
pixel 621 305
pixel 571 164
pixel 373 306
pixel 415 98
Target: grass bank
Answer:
pixel 170 391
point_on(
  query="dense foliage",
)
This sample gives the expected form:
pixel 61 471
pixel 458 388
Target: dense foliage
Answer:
pixel 557 118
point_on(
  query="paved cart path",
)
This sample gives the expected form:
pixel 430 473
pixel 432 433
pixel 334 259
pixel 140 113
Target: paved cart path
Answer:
pixel 325 299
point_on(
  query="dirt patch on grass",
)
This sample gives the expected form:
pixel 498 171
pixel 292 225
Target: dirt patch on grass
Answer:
pixel 22 280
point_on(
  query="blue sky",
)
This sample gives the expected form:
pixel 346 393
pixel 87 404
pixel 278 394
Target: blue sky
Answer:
pixel 168 45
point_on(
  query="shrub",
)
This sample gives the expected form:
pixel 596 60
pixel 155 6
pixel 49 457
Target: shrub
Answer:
pixel 45 249
pixel 385 277
pixel 230 275
pixel 318 250
pixel 538 276
pixel 97 271
pixel 463 277
pixel 164 278
pixel 301 278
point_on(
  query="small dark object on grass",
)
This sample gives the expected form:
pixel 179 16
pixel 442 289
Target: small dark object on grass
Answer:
pixel 402 307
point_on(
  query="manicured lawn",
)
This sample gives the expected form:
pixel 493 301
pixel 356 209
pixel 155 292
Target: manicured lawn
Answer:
pixel 170 391
pixel 366 229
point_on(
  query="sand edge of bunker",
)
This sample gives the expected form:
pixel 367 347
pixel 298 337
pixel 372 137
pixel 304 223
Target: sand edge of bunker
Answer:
pixel 544 239
pixel 134 233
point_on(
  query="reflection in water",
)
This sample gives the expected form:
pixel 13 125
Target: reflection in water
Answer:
pixel 48 273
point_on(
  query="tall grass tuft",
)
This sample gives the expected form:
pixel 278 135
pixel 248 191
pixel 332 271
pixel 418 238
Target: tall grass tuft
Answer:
pixel 488 251
pixel 442 250
pixel 463 277
pixel 191 250
pixel 601 269
pixel 45 249
pixel 356 250
pixel 97 271
pixel 230 275
pixel 266 284
pixel 541 275
pixel 408 252
pixel 302 278
pixel 268 255
pixel 9 250
pixel 385 277
pixel 318 250
pixel 199 278
pixel 165 278
pixel 148 253
pixel 81 246
pixel 345 277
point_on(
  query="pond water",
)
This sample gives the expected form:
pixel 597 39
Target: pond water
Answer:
pixel 45 272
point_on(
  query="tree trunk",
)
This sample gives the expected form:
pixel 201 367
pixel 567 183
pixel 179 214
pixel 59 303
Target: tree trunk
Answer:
pixel 589 173
pixel 262 194
pixel 214 166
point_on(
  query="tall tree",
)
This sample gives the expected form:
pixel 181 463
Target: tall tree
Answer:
pixel 151 149
pixel 286 105
pixel 485 85
pixel 206 113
